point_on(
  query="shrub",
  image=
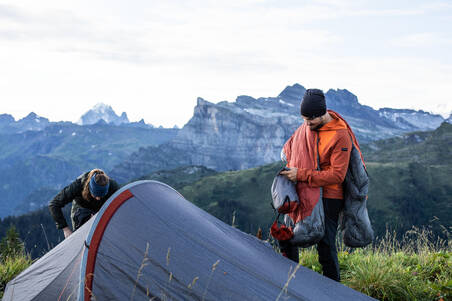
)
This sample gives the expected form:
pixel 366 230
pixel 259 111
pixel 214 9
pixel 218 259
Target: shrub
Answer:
pixel 10 268
pixel 11 246
pixel 13 259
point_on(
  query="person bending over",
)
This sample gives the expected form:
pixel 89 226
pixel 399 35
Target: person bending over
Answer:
pixel 87 193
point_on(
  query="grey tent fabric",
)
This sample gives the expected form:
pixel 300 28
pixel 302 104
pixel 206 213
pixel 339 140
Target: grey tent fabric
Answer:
pixel 156 244
pixel 55 276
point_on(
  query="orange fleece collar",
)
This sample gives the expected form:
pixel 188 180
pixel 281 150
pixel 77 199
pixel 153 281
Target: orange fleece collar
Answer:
pixel 335 124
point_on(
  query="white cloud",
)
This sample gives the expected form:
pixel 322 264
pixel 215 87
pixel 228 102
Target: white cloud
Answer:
pixel 426 39
pixel 152 59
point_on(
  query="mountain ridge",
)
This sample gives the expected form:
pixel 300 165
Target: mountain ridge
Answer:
pixel 250 132
pixel 290 97
pixel 246 133
pixel 56 155
pixel 402 193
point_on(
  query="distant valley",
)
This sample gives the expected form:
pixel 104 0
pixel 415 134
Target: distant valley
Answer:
pixel 409 176
pixel 39 157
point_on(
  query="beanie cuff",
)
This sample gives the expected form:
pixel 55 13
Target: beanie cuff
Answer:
pixel 96 189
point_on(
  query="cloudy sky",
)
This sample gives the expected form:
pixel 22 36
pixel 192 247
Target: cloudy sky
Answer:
pixel 152 59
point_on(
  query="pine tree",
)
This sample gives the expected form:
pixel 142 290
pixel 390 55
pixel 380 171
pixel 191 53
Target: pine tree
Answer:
pixel 11 245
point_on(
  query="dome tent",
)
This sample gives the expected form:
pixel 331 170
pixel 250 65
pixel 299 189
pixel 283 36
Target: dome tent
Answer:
pixel 148 242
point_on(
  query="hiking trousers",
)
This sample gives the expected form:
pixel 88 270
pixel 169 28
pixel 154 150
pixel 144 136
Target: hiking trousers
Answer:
pixel 326 247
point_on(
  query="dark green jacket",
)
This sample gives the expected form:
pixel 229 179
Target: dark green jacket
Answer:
pixel 73 193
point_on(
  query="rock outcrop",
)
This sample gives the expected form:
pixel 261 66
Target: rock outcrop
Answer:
pixel 251 132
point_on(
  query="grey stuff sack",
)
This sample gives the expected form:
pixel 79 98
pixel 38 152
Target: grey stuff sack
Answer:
pixel 283 191
pixel 309 230
pixel 356 227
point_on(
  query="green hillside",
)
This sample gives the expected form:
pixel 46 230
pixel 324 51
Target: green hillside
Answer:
pixel 400 196
pixel 181 176
pixel 408 187
pixel 245 194
pixel 430 148
pixel 409 176
pixel 33 227
pixel 411 180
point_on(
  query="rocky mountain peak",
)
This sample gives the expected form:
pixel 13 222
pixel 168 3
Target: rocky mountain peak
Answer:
pixel 31 122
pixel 6 119
pixel 245 100
pixel 105 112
pixel 31 116
pixel 341 97
pixel 201 102
pixel 293 93
pixel 101 107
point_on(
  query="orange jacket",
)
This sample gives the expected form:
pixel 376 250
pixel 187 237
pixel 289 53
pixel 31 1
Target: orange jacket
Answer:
pixel 333 144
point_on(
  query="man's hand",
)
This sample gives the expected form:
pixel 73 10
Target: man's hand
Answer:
pixel 291 174
pixel 67 232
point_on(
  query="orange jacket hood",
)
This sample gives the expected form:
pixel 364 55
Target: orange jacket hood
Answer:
pixel 335 124
pixel 341 120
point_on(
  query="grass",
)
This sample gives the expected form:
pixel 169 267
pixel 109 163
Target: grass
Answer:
pixel 286 285
pixel 414 268
pixel 10 268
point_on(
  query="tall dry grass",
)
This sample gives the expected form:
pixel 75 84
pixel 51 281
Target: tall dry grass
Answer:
pixel 416 267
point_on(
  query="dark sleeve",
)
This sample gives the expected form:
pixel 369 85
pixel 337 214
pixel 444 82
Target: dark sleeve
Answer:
pixel 64 197
pixel 113 188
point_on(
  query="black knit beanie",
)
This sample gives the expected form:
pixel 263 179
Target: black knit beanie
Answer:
pixel 313 104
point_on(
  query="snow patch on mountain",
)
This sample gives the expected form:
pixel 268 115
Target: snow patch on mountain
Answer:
pixel 449 120
pixel 103 112
pixel 285 103
pixel 407 119
pixel 267 114
pixel 31 122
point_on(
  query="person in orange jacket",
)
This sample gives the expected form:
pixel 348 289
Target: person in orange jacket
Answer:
pixel 333 144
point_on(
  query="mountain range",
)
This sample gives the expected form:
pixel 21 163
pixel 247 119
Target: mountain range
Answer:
pixel 99 114
pixel 250 132
pixel 31 122
pixel 39 157
pixel 49 159
pixel 409 186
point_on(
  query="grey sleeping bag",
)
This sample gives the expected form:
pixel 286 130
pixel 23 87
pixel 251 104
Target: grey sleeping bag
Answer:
pixel 355 225
pixel 308 231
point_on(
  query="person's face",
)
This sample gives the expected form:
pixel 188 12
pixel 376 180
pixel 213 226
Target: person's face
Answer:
pixel 313 123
